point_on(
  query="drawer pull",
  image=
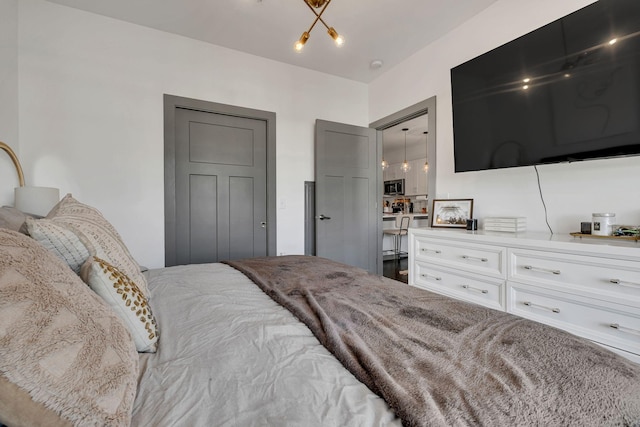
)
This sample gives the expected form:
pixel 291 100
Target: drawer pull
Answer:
pixel 623 283
pixel 546 270
pixel 530 304
pixel 437 251
pixel 484 291
pixel 474 258
pixel 623 329
pixel 426 276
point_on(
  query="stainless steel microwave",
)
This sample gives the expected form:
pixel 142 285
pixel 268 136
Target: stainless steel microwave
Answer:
pixel 394 187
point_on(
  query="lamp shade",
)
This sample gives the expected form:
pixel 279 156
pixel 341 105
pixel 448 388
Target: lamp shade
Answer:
pixel 36 200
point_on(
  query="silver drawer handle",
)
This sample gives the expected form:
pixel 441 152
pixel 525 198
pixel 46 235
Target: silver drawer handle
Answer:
pixel 624 283
pixel 545 270
pixel 623 329
pixel 430 250
pixel 471 288
pixel 474 258
pixel 530 304
pixel 426 276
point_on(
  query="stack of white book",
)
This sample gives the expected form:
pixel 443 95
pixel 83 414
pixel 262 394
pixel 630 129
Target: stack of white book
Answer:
pixel 510 224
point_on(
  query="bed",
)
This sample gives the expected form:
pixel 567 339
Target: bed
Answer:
pixel 294 340
pixel 254 362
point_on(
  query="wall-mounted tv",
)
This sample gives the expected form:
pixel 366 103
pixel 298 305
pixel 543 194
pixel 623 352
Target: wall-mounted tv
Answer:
pixel 565 92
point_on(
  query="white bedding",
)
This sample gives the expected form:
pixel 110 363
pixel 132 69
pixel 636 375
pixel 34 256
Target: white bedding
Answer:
pixel 228 355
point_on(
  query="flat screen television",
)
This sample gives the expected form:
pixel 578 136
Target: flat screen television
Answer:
pixel 565 92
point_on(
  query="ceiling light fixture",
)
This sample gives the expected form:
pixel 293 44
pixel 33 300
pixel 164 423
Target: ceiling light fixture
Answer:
pixel 313 5
pixel 405 165
pixel 425 168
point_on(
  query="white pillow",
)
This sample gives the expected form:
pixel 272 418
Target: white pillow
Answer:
pixel 126 300
pixel 74 231
pixel 60 240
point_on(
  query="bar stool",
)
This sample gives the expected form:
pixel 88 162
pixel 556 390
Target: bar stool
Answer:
pixel 397 234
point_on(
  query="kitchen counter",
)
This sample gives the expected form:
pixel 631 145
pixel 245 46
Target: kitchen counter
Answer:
pixel 393 217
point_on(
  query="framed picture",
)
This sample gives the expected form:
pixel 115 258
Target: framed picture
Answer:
pixel 451 213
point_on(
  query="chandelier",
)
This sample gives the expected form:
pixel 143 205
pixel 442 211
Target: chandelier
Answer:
pixel 313 5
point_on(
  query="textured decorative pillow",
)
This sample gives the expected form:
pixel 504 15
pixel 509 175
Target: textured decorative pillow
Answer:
pixel 125 298
pixel 13 219
pixel 60 240
pixel 74 231
pixel 59 342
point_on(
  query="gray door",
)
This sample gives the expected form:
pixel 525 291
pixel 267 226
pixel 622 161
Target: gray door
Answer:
pixel 220 187
pixel 348 217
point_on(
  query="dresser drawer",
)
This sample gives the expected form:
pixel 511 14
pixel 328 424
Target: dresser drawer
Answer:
pixel 615 278
pixel 472 257
pixel 604 322
pixel 457 284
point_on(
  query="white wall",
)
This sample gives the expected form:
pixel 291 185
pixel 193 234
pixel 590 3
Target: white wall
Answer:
pixel 572 192
pixel 91 117
pixel 8 97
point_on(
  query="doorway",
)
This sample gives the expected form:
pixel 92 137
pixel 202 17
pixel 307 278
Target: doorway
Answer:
pixel 428 108
pixel 420 148
pixel 219 182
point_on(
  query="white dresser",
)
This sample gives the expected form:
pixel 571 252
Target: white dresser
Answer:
pixel 590 287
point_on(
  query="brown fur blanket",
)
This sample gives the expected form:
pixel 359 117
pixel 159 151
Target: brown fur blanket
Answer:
pixel 439 361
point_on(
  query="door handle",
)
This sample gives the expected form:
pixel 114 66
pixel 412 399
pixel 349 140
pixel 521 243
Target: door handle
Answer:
pixel 322 217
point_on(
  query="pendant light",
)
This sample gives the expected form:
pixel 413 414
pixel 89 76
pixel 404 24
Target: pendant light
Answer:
pixel 425 168
pixel 384 164
pixel 405 165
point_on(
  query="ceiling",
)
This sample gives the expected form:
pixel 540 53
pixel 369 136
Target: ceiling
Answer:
pixel 393 137
pixel 386 30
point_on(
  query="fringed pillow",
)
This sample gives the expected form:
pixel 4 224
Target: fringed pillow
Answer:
pixel 60 344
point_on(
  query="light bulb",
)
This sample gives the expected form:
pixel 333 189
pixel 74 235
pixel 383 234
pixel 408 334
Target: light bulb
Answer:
pixel 425 168
pixel 405 166
pixel 384 164
pixel 335 36
pixel 301 42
